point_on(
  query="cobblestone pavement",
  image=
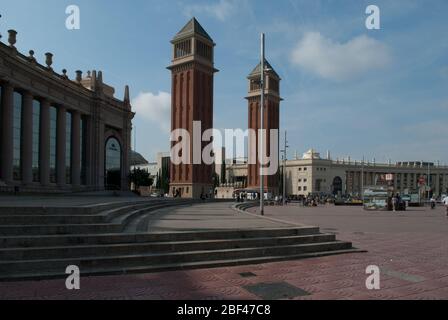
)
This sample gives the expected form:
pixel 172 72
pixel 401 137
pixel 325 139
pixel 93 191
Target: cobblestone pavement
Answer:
pixel 411 250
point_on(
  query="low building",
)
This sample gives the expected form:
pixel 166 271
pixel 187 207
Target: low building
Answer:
pixel 58 134
pixel 158 171
pixel 314 174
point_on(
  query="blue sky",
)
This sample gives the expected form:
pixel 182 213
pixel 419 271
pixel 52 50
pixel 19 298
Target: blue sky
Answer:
pixel 376 93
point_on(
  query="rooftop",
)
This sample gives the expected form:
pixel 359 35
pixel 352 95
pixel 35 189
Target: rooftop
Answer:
pixel 193 27
pixel 267 65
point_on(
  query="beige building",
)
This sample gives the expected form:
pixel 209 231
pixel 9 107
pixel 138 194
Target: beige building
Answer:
pixel 314 174
pixel 58 134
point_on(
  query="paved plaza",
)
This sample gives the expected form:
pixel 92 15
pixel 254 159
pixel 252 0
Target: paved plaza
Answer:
pixel 410 248
pixel 202 217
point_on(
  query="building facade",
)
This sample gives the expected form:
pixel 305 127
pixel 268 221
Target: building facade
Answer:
pixel 57 134
pixel 192 70
pixel 271 121
pixel 158 171
pixel 313 174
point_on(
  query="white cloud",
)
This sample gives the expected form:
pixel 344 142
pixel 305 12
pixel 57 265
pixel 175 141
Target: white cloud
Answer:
pixel 155 108
pixel 220 10
pixel 339 61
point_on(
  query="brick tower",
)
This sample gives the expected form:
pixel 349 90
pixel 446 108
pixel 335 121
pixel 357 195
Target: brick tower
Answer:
pixel 271 121
pixel 192 71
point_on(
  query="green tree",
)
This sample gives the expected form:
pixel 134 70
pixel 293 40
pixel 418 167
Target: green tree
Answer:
pixel 140 178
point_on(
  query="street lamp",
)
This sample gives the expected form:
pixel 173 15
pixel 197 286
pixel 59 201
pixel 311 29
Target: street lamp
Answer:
pixel 284 168
pixel 263 70
pixel 261 124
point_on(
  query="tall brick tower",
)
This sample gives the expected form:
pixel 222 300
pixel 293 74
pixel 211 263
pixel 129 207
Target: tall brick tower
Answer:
pixel 192 71
pixel 271 121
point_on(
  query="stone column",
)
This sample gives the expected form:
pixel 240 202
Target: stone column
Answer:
pixel 88 150
pixel 44 154
pixel 127 143
pixel 76 149
pixel 437 184
pixel 7 135
pixel 60 146
pixel 396 182
pixel 100 154
pixel 27 138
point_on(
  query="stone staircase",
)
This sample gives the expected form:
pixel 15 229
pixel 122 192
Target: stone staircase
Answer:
pixel 38 243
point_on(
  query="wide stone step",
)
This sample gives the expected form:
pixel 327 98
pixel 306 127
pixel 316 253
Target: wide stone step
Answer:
pixel 50 219
pixel 9 268
pixel 118 218
pixel 67 211
pixel 102 239
pixel 60 229
pixel 172 267
pixel 93 214
pixel 155 247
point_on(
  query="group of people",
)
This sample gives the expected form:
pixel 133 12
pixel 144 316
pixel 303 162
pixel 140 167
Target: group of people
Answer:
pixel 314 201
pixel 397 203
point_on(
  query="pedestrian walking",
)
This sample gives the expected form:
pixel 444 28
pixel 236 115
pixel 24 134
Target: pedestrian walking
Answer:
pixel 394 203
pixel 445 202
pixel 433 202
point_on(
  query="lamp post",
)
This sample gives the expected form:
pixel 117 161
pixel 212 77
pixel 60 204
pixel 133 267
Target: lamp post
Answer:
pixel 284 168
pixel 362 179
pixel 429 181
pixel 261 127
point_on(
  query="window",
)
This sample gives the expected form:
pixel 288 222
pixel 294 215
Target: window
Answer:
pixel 68 148
pixel 300 169
pixel 305 169
pixel 182 49
pixel 82 145
pixel 255 85
pixel 305 180
pixel 17 136
pixel 300 180
pixel 53 133
pixel 204 50
pixel 305 188
pixel 36 141
pixel 1 107
pixel 274 85
pixel 300 188
pixel 113 164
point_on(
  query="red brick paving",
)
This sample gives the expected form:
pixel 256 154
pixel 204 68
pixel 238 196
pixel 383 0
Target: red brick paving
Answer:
pixel 416 264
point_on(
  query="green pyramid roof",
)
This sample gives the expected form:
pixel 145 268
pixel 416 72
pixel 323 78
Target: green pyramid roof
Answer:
pixel 191 28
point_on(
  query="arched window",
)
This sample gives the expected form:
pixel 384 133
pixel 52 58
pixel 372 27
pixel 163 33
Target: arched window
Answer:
pixel 112 164
pixel 337 185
